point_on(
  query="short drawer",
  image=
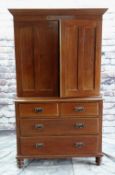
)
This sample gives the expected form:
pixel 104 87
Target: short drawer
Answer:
pixel 35 127
pixel 63 145
pixel 38 109
pixel 80 109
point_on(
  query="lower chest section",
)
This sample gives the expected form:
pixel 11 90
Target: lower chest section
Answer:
pixel 59 128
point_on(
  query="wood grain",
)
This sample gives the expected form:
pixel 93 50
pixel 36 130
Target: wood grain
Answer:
pixel 80 109
pixel 79 57
pixel 29 110
pixel 59 145
pixel 68 126
pixel 37 58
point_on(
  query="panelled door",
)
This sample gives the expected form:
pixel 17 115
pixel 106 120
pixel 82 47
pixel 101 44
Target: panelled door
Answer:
pixel 37 58
pixel 80 57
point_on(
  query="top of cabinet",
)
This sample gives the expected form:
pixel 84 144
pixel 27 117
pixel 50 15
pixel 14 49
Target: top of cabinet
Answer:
pixel 58 12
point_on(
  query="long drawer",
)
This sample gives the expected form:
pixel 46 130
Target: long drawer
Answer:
pixel 80 109
pixel 63 145
pixel 34 127
pixel 38 109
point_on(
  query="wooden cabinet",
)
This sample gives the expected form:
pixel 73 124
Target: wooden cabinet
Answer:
pixel 58 104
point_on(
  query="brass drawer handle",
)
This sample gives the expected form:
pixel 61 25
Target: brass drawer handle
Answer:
pixel 38 109
pixel 39 145
pixel 79 145
pixel 79 109
pixel 39 126
pixel 79 125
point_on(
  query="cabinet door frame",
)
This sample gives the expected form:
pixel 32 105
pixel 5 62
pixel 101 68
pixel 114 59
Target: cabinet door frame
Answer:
pixel 97 24
pixel 53 26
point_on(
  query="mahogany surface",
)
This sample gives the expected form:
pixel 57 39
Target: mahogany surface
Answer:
pixel 61 126
pixel 58 105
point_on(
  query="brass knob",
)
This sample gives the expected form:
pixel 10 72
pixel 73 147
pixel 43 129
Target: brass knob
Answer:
pixel 79 125
pixel 79 145
pixel 79 109
pixel 39 126
pixel 38 109
pixel 39 145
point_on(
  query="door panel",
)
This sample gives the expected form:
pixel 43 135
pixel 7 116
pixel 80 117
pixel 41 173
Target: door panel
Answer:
pixel 71 62
pixel 46 58
pixel 37 58
pixel 79 56
pixel 24 58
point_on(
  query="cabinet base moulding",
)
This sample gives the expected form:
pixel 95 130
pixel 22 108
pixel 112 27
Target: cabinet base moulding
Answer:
pixel 21 159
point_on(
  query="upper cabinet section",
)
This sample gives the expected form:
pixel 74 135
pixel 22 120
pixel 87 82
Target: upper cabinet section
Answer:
pixel 58 52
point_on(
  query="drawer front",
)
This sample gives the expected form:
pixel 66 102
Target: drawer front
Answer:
pixel 34 127
pixel 68 145
pixel 38 109
pixel 80 109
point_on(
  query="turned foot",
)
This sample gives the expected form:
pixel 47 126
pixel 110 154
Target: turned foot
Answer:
pixel 98 160
pixel 20 162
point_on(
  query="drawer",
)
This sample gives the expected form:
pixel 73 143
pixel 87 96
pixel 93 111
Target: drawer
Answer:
pixel 34 127
pixel 63 145
pixel 38 109
pixel 80 109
